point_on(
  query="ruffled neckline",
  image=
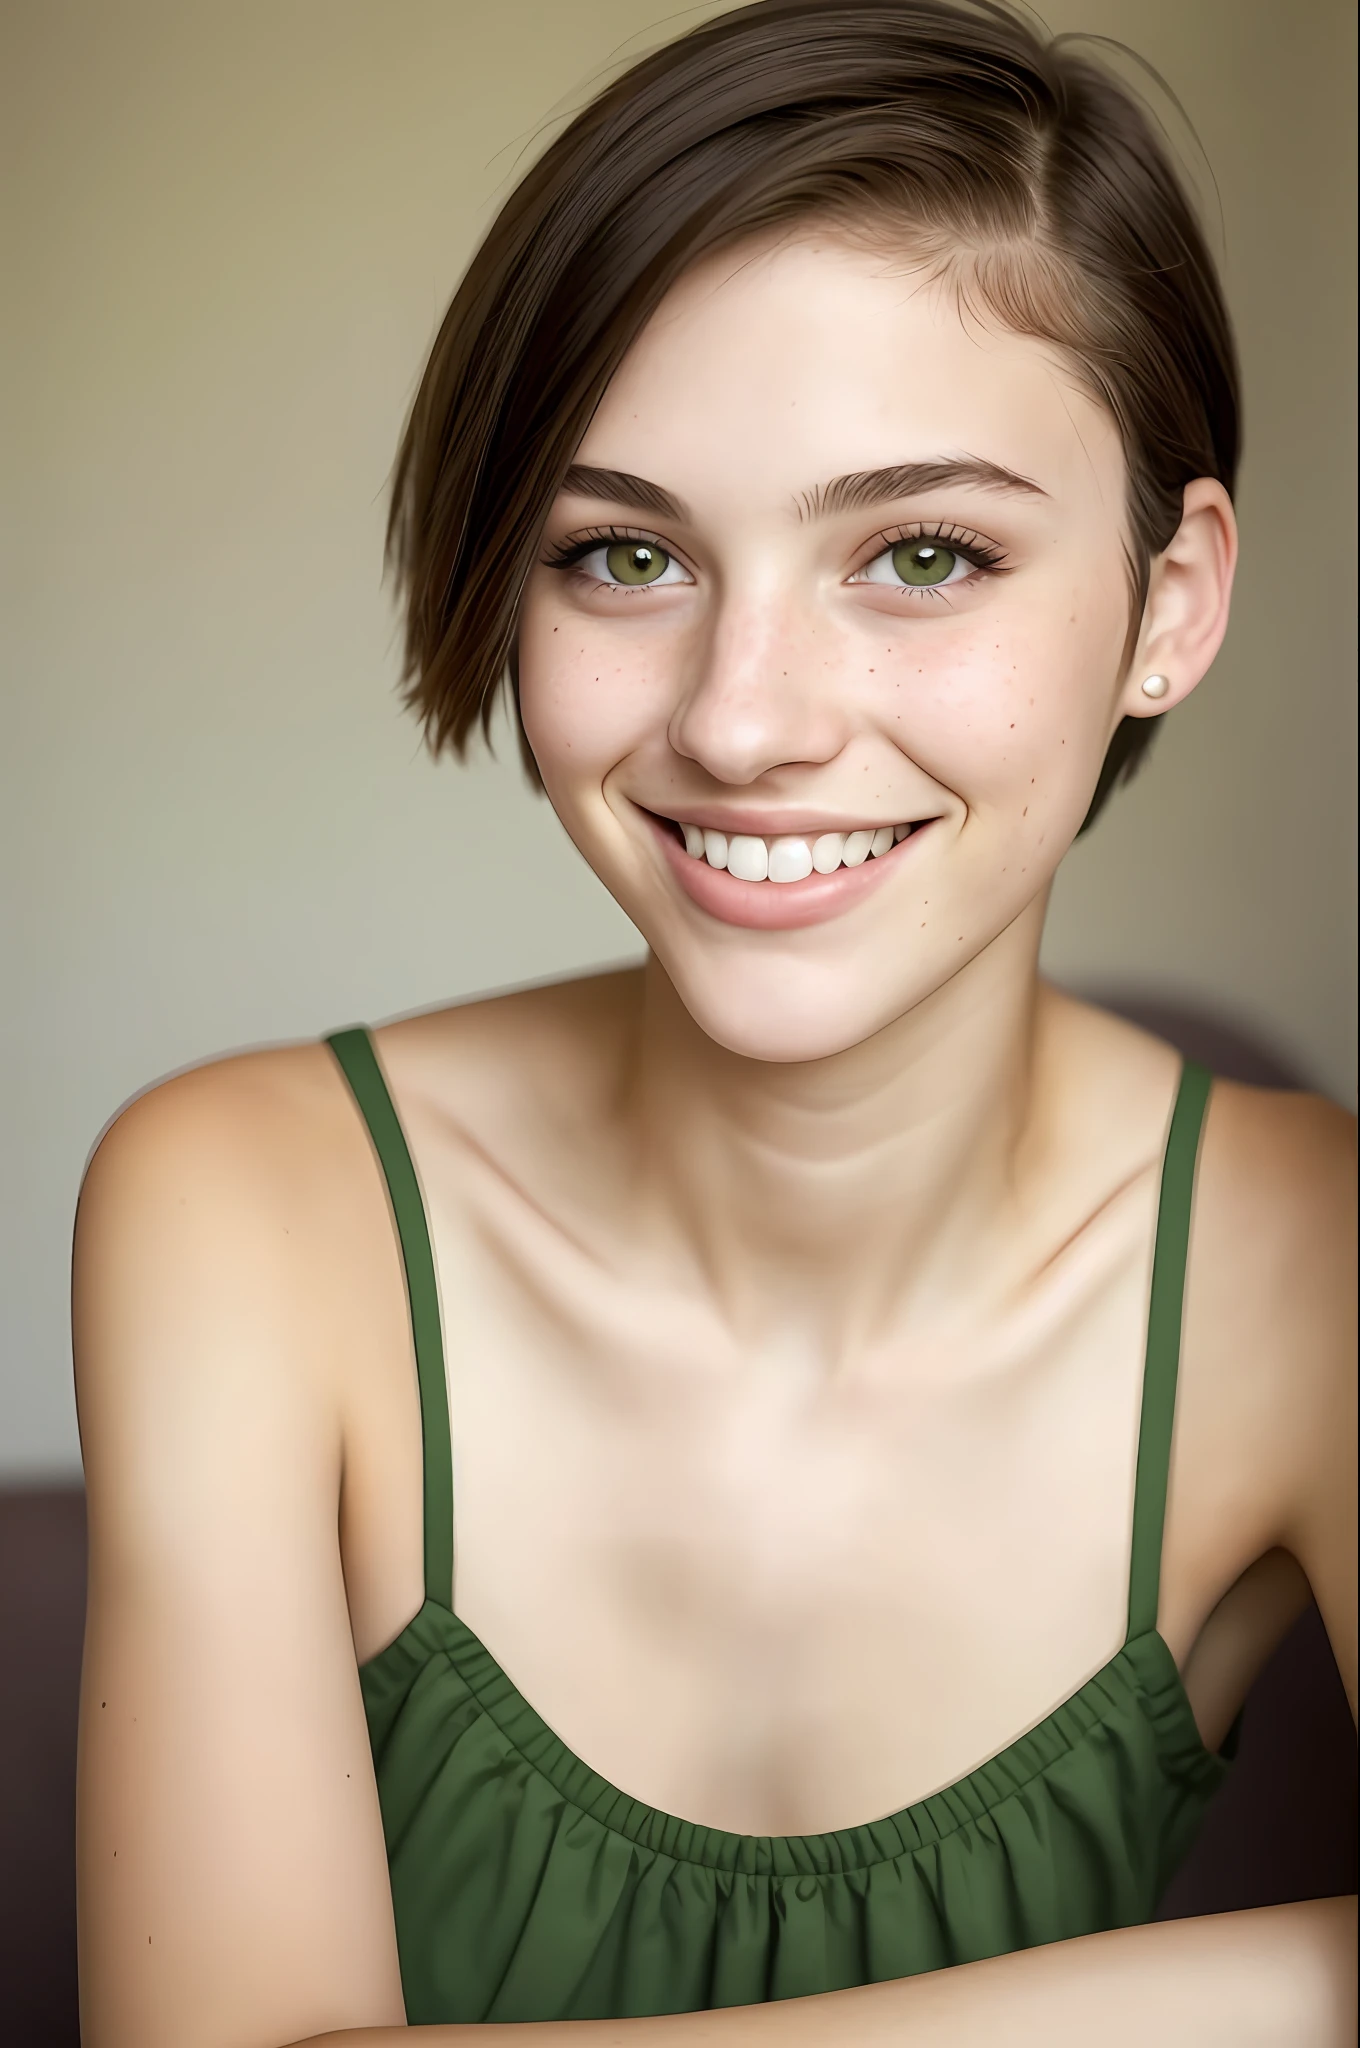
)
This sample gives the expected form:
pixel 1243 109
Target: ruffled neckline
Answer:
pixel 1143 1672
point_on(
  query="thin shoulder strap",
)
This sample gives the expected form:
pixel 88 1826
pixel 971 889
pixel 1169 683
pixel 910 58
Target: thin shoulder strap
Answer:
pixel 1162 1358
pixel 359 1064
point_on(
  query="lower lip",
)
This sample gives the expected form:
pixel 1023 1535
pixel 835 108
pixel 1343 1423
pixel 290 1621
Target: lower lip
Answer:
pixel 775 906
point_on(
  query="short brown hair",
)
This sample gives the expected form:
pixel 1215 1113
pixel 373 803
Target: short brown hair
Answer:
pixel 1019 166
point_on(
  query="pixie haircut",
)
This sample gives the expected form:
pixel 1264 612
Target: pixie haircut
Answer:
pixel 1012 166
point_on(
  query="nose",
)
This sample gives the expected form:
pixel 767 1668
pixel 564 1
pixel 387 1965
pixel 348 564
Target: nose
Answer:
pixel 763 695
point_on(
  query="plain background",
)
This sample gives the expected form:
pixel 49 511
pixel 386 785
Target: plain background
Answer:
pixel 233 229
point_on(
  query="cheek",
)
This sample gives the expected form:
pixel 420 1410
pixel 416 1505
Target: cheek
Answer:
pixel 1014 722
pixel 585 703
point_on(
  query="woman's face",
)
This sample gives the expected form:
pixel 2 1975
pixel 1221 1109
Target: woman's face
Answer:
pixel 833 560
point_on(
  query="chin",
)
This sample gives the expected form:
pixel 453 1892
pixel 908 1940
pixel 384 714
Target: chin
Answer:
pixel 808 1039
pixel 785 1016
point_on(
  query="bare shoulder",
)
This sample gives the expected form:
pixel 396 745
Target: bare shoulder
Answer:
pixel 1275 1204
pixel 1272 1311
pixel 1272 1264
pixel 1275 1184
pixel 220 1215
pixel 1269 1338
pixel 243 1114
pixel 1310 1137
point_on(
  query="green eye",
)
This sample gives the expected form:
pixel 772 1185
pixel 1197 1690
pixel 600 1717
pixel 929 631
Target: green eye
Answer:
pixel 923 562
pixel 635 561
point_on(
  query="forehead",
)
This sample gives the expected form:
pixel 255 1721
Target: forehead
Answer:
pixel 773 366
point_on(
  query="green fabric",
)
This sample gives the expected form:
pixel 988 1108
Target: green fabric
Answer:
pixel 526 1887
pixel 354 1050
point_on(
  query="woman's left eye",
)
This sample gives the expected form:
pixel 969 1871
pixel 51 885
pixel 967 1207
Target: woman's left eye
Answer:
pixel 920 564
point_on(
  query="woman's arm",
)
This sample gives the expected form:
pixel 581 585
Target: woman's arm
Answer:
pixel 1279 1977
pixel 232 1881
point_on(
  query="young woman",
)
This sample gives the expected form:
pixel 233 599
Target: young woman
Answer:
pixel 738 1501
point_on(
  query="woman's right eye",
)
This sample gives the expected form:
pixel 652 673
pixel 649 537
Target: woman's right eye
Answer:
pixel 626 564
pixel 635 562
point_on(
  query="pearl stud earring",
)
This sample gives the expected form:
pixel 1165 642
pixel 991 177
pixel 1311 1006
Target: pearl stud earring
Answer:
pixel 1156 686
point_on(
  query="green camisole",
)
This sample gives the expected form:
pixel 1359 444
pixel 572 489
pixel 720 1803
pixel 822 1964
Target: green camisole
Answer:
pixel 527 1887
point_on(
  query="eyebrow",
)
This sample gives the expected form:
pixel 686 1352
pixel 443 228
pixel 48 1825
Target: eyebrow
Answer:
pixel 862 487
pixel 618 487
pixel 912 479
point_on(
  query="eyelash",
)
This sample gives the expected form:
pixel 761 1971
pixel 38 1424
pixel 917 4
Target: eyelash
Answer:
pixel 983 554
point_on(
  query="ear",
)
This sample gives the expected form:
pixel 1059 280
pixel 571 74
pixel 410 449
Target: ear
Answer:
pixel 1186 612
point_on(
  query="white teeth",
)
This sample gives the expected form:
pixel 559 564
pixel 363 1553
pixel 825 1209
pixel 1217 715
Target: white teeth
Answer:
pixel 747 858
pixel 789 857
pixel 790 860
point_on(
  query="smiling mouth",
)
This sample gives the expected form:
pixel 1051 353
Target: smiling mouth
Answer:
pixel 787 857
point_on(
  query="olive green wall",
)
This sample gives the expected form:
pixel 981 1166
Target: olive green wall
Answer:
pixel 234 227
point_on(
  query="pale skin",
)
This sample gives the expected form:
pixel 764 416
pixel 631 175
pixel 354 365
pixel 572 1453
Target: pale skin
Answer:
pixel 794 1283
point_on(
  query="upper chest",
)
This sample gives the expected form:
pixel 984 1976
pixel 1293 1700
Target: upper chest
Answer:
pixel 704 1565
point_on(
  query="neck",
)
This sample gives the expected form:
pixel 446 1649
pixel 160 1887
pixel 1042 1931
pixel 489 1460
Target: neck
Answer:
pixel 826 1201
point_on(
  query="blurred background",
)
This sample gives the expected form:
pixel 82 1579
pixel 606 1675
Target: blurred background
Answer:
pixel 230 232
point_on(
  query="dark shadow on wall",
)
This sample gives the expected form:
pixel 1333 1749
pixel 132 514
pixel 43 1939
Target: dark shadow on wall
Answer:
pixel 1283 1827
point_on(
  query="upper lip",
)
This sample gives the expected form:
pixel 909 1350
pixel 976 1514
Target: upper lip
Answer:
pixel 776 824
